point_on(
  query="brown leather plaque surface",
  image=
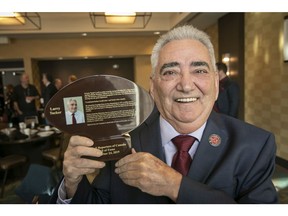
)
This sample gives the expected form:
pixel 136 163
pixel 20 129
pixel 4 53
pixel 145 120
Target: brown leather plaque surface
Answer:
pixel 106 109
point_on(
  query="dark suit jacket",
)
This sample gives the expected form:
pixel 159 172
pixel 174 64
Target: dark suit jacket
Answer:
pixel 238 170
pixel 229 97
pixel 48 93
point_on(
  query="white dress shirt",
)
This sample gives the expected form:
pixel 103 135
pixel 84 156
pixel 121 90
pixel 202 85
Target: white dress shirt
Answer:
pixel 79 116
pixel 168 133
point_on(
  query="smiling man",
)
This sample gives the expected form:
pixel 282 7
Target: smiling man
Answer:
pixel 184 152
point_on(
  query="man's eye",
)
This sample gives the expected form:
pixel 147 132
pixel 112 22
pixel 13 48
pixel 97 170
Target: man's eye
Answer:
pixel 169 73
pixel 201 71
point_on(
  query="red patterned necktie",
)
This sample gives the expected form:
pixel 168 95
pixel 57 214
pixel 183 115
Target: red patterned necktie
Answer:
pixel 73 118
pixel 182 159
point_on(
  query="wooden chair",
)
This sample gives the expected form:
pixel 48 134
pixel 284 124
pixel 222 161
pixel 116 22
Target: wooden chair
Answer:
pixel 53 155
pixel 7 163
pixel 56 154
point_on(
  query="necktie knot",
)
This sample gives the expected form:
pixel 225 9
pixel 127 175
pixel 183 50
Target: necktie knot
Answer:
pixel 183 142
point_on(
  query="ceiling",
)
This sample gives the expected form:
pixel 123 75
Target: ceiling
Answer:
pixel 74 24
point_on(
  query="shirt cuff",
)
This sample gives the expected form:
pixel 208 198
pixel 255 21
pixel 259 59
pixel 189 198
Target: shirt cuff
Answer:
pixel 62 194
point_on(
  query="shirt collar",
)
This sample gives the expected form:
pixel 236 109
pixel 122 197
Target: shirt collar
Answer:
pixel 47 84
pixel 168 132
pixel 70 113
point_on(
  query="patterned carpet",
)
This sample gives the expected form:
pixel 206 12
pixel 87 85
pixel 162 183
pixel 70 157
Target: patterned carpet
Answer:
pixel 280 181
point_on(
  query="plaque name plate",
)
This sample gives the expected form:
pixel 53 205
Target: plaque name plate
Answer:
pixel 104 108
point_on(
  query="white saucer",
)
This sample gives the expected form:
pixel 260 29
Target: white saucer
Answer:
pixel 43 129
pixel 45 133
pixel 7 131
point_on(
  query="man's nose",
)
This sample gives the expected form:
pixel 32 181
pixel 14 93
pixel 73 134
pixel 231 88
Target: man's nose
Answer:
pixel 186 82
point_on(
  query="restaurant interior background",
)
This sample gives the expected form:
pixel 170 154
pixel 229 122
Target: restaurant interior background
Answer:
pixel 253 41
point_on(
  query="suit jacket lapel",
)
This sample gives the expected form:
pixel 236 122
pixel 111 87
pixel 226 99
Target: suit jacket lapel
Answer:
pixel 207 155
pixel 150 137
pixel 150 141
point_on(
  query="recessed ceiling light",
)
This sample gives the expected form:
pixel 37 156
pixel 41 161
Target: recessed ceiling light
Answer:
pixel 116 66
pixel 157 33
pixel 84 34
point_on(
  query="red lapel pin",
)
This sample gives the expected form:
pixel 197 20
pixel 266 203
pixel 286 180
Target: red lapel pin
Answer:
pixel 214 140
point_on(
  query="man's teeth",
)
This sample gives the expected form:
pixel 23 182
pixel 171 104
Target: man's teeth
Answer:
pixel 186 100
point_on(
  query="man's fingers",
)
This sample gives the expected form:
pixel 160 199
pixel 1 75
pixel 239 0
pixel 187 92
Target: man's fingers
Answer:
pixel 82 146
pixel 80 140
pixel 127 159
pixel 133 151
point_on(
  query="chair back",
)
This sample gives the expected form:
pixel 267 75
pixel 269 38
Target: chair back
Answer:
pixel 29 119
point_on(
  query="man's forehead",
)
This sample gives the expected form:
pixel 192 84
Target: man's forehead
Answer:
pixel 193 49
pixel 72 102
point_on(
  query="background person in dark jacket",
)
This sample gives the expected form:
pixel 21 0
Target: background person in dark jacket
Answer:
pixel 24 97
pixel 49 88
pixel 48 91
pixel 229 93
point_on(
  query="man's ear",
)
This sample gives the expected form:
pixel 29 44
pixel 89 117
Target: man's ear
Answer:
pixel 151 90
pixel 216 85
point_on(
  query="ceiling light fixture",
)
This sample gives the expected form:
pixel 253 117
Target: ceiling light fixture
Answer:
pixel 19 21
pixel 120 20
pixel 11 18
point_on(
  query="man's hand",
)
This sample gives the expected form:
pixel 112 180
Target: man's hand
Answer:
pixel 149 174
pixel 74 166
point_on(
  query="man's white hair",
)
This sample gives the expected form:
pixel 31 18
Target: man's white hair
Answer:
pixel 180 33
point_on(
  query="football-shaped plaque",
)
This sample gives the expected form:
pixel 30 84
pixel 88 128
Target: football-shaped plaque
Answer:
pixel 104 108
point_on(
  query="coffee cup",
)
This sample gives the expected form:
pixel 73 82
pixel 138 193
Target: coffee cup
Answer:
pixel 27 131
pixel 22 125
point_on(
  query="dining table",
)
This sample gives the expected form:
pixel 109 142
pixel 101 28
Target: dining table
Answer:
pixel 30 142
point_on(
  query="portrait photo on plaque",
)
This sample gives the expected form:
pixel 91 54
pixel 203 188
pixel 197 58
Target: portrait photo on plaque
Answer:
pixel 74 110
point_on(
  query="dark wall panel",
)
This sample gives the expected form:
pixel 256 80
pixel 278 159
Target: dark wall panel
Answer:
pixel 123 67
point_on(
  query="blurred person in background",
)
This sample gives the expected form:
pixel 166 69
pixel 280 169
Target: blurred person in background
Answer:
pixel 229 93
pixel 24 98
pixel 72 78
pixel 48 91
pixel 49 88
pixel 9 105
pixel 2 103
pixel 58 83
